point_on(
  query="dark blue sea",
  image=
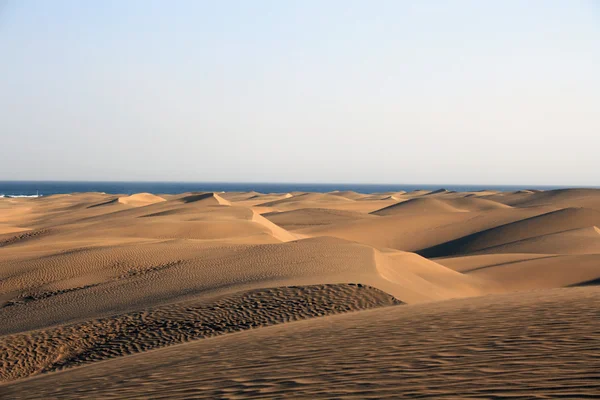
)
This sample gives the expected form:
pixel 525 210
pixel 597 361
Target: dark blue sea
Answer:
pixel 46 188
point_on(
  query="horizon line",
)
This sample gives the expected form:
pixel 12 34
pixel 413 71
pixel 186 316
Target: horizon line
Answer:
pixel 298 183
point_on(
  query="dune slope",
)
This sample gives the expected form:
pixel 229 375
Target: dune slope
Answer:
pixel 545 224
pixel 92 282
pixel 531 345
pixel 51 349
pixel 418 205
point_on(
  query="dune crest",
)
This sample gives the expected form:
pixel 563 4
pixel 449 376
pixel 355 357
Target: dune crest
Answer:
pixel 140 199
pixel 415 279
pixel 418 205
pixel 205 199
pixel 539 225
pixel 572 241
pixel 276 231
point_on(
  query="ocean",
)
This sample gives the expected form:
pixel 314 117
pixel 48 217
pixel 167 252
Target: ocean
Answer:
pixel 46 188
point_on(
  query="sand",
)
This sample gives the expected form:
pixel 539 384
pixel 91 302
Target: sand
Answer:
pixel 525 345
pixel 342 294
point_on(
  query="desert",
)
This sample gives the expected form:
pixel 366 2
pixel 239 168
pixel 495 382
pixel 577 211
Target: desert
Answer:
pixel 430 293
pixel 299 199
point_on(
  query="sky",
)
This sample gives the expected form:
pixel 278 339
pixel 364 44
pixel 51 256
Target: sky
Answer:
pixel 424 91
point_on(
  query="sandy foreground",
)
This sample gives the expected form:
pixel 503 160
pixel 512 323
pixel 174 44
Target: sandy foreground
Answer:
pixel 301 295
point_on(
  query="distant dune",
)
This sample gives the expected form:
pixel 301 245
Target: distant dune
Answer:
pixel 140 199
pixel 205 199
pixel 545 224
pixel 573 241
pixel 303 199
pixel 349 195
pixel 341 294
pixel 432 205
pixel 309 217
pixel 418 206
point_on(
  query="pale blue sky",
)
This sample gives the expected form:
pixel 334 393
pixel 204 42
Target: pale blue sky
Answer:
pixel 482 92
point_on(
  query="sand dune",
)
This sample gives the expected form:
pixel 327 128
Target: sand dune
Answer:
pixel 542 273
pixel 518 272
pixel 240 196
pixel 475 204
pixel 588 198
pixel 468 263
pixel 88 277
pixel 112 202
pixel 438 191
pixel 560 198
pixel 69 286
pixel 277 232
pixel 51 349
pixel 574 241
pixel 310 217
pixel 205 199
pixel 534 345
pixel 349 194
pixel 418 206
pixel 304 199
pixel 433 205
pixel 396 196
pixel 545 224
pixel 135 200
pixel 417 231
pixel 415 279
pixel 140 199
